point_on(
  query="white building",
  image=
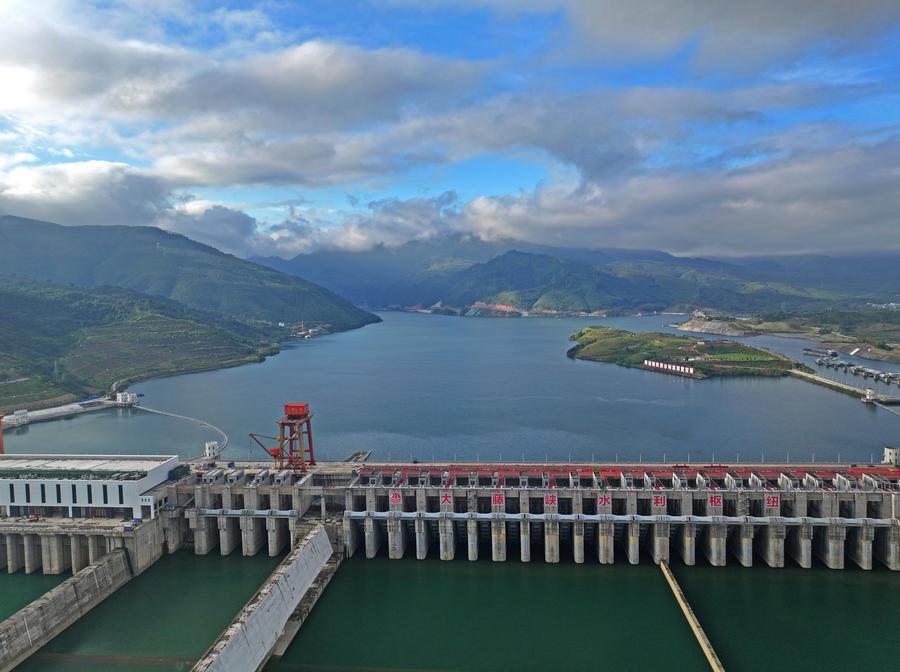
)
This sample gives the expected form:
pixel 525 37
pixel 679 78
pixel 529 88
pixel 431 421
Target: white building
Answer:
pixel 83 486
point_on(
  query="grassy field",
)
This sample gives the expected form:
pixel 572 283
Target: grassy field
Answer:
pixel 708 358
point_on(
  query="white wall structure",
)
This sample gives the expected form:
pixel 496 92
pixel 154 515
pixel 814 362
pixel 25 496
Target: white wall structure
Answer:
pixel 667 367
pixel 82 482
pixel 245 645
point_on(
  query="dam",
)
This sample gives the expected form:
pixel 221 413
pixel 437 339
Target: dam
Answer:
pixel 106 519
pixel 740 513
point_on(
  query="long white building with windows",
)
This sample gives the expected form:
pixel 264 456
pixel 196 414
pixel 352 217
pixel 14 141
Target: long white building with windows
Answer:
pixel 83 486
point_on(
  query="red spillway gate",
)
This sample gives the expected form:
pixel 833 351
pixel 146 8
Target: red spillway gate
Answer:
pixel 294 449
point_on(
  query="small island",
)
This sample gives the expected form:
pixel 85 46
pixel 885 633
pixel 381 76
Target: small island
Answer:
pixel 689 357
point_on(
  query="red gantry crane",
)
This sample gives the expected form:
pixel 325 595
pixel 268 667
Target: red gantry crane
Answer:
pixel 294 449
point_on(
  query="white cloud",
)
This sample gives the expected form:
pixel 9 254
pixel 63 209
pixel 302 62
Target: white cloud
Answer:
pixel 720 34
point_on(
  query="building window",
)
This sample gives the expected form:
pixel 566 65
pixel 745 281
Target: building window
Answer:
pixel 12 493
pixel 74 494
pixel 105 495
pixel 121 495
pixel 90 494
pixel 43 494
pixel 59 493
pixel 27 493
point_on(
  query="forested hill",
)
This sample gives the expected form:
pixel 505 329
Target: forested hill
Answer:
pixel 58 344
pixel 159 263
pixel 461 270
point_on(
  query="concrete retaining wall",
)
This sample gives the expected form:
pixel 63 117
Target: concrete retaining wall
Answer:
pixel 246 644
pixel 26 631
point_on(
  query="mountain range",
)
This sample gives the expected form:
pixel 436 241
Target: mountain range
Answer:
pixel 162 264
pixel 457 270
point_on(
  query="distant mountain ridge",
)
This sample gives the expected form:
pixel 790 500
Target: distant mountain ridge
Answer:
pixel 163 264
pixel 459 270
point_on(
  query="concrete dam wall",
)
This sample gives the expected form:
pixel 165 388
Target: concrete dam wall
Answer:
pixel 246 644
pixel 26 631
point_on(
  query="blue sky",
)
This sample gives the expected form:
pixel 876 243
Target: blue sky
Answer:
pixel 275 127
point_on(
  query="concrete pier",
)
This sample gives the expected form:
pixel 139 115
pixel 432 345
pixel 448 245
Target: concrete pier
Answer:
pixel 860 541
pixel 800 544
pixel 771 544
pixel 578 542
pixel 742 544
pixel 525 541
pixel 32 551
pixel 78 552
pixel 15 553
pixel 688 538
pixel 229 534
pixel 660 543
pixel 422 538
pixel 396 533
pixel 830 546
pixel 206 534
pixel 887 547
pixel 551 528
pixel 54 557
pixel 96 548
pixel 253 535
pixel 633 541
pixel 472 538
pixel 605 544
pixel 373 537
pixel 498 540
pixel 447 534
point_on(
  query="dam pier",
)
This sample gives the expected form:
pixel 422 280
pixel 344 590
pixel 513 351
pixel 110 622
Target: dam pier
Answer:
pixel 741 513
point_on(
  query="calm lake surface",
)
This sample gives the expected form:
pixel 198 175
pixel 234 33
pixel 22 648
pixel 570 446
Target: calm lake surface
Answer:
pixel 434 387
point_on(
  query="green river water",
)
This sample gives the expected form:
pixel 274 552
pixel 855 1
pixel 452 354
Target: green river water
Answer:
pixel 416 616
pixel 18 590
pixel 163 620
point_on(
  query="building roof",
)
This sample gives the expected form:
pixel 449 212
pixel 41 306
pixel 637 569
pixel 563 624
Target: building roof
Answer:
pixel 125 467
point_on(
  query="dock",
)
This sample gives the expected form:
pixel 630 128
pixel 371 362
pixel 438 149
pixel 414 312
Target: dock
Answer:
pixel 24 417
pixel 868 396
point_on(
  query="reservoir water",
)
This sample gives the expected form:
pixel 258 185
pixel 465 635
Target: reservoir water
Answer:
pixel 162 620
pixel 436 387
pixel 449 388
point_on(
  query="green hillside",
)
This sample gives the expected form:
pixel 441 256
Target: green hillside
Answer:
pixel 158 263
pixel 460 270
pixel 707 358
pixel 539 282
pixel 58 344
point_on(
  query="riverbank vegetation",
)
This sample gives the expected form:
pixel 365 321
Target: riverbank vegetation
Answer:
pixel 59 344
pixel 708 358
